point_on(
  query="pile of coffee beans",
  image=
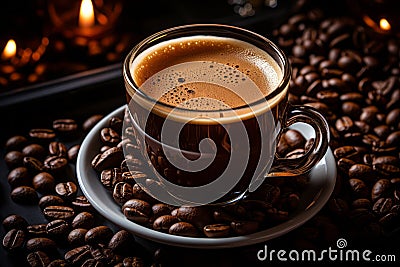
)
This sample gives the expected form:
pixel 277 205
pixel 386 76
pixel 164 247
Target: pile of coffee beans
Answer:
pixel 270 205
pixel 352 76
pixel 72 233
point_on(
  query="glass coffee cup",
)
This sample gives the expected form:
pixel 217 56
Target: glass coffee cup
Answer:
pixel 207 104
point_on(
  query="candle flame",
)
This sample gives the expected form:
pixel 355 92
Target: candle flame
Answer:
pixel 384 24
pixel 86 14
pixel 10 50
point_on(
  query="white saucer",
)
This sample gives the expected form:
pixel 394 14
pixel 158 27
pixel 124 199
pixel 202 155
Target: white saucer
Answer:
pixel 313 198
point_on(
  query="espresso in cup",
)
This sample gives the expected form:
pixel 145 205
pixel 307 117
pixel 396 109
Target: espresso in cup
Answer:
pixel 209 103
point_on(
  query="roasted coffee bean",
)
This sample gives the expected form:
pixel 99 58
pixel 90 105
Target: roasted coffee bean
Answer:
pixel 42 135
pixel 34 165
pixel 72 153
pixel 390 221
pixel 393 117
pixel 358 188
pixel 121 241
pixel 221 216
pixel 122 192
pixel 78 255
pixel 382 206
pixel 57 228
pixel 362 171
pixel 338 206
pixel 65 127
pixel 37 230
pixel 58 212
pixel 131 165
pixel 382 131
pixel 386 170
pixel 57 263
pixel 183 229
pixel 139 193
pixel 90 122
pixel 131 177
pixel 92 263
pixel 14 240
pixel 137 210
pixel 101 254
pixel 217 230
pixel 35 151
pixel 98 235
pixel 104 149
pixel 83 220
pixel 80 203
pixel 16 142
pixel 14 159
pixel 294 139
pixel 393 139
pixel 109 159
pixel 199 216
pixel 14 221
pixel 361 203
pixel 109 137
pixel 344 124
pixel 345 164
pixel 116 124
pixel 110 177
pixel 24 195
pixel 392 160
pixel 55 164
pixel 350 152
pixel 368 114
pixel 164 222
pixel 295 154
pixel 38 259
pixel 41 244
pixel 380 189
pixel 57 149
pixel 77 237
pixel 160 209
pixel 244 227
pixel 67 190
pixel 43 182
pixel 133 261
pixel 50 200
pixel 19 176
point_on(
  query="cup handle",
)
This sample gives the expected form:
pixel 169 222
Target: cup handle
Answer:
pixel 294 167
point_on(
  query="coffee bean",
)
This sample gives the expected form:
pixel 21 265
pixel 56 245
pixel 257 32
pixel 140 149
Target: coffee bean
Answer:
pixel 72 153
pixel 57 228
pixel 14 240
pixel 344 124
pixel 386 170
pixel 390 221
pixel 90 122
pixel 41 244
pixel 50 200
pixel 38 259
pixel 244 227
pixel 98 235
pixel 24 195
pixel 345 164
pixel 338 206
pixel 358 188
pixel 221 216
pixel 380 189
pixel 101 255
pixel 67 190
pixel 42 135
pixel 19 176
pixel 132 165
pixel 80 203
pixel 83 220
pixel 350 152
pixel 199 216
pixel 164 222
pixel 121 241
pixel 122 192
pixel 65 127
pixel 57 149
pixel 392 160
pixel 217 230
pixel 109 159
pixel 35 151
pixel 393 139
pixel 110 177
pixel 294 139
pixel 382 131
pixel 55 164
pixel 57 263
pixel 77 237
pixel 37 230
pixel 137 210
pixel 58 212
pixel 382 206
pixel 133 261
pixel 116 123
pixel 78 255
pixel 361 203
pixel 14 159
pixel 16 142
pixel 131 177
pixel 14 221
pixel 160 209
pixel 362 171
pixel 32 164
pixel 43 182
pixel 109 137
pixel 183 229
